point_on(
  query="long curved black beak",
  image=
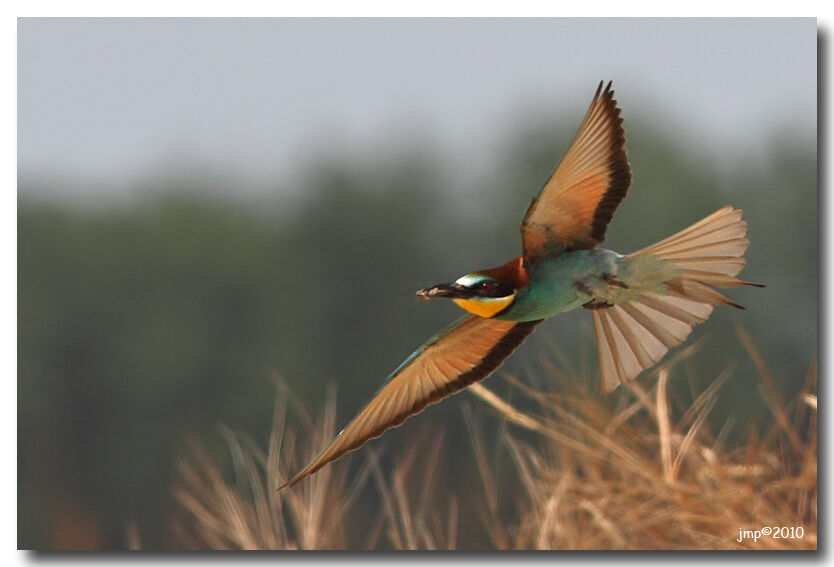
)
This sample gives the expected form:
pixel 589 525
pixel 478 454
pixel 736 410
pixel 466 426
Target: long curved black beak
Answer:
pixel 450 290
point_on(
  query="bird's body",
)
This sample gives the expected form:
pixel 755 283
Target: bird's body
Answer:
pixel 553 285
pixel 643 304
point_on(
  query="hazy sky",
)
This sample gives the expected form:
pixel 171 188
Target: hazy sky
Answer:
pixel 111 100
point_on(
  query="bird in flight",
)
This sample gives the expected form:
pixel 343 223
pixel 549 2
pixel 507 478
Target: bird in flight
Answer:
pixel 643 303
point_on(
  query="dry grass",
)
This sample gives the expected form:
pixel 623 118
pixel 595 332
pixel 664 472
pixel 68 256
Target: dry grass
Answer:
pixel 589 478
pixel 248 513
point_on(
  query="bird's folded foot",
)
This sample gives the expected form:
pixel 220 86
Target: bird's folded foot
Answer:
pixel 597 304
pixel 611 279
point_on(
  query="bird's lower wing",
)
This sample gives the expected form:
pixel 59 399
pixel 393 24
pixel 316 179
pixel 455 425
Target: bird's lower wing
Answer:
pixel 467 351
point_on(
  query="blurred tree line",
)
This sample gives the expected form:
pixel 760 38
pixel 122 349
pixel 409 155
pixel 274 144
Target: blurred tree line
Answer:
pixel 144 325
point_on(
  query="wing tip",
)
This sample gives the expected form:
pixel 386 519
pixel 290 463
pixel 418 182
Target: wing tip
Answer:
pixel 607 93
pixel 292 481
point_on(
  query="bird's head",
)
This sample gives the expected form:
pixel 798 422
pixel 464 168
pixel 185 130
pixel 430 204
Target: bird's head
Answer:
pixel 484 293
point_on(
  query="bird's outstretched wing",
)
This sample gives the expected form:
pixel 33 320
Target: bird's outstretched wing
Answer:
pixel 467 351
pixel 576 204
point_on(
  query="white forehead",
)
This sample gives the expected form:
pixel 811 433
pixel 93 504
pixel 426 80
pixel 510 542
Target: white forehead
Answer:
pixel 471 279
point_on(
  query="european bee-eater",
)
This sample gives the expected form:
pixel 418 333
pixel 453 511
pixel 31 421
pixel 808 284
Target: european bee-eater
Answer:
pixel 643 303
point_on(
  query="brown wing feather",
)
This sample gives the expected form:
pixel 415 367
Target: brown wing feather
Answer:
pixel 468 351
pixel 576 204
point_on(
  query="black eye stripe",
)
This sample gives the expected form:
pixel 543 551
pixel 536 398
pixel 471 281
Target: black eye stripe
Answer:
pixel 490 288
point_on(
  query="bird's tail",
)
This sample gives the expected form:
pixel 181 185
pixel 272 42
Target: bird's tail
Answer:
pixel 687 267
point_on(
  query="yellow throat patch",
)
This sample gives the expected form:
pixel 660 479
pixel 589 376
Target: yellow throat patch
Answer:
pixel 485 306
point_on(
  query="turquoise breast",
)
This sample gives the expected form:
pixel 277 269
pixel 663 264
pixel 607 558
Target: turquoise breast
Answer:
pixel 551 289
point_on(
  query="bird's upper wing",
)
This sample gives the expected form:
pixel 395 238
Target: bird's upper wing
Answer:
pixel 465 352
pixel 576 204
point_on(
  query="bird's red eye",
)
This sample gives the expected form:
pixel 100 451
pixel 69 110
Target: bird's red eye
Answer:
pixel 485 286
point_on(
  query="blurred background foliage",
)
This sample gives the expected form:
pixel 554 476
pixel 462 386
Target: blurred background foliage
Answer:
pixel 148 323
